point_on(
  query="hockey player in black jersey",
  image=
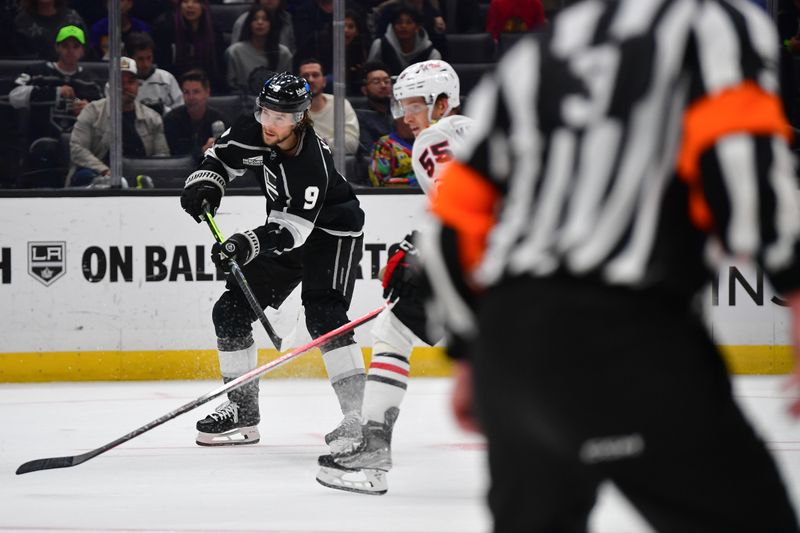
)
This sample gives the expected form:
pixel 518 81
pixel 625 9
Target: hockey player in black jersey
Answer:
pixel 312 234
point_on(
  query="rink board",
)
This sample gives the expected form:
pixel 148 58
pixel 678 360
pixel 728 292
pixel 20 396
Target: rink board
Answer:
pixel 97 288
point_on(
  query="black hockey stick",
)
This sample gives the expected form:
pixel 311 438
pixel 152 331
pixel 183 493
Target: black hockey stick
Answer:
pixel 242 282
pixel 64 462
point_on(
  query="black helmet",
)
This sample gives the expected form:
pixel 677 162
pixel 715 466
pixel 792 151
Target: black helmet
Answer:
pixel 285 93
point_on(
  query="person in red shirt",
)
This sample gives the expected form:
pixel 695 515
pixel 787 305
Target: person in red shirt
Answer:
pixel 514 16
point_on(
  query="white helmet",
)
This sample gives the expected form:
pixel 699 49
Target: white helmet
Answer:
pixel 427 79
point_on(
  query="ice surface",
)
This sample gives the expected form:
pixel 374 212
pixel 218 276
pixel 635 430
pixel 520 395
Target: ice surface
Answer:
pixel 162 481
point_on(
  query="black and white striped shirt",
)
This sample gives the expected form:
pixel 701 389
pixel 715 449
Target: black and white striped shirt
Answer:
pixel 614 146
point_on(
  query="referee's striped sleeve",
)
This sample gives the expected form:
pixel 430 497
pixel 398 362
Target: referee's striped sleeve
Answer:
pixel 735 155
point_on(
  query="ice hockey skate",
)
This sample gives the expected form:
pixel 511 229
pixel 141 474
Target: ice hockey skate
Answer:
pixel 228 425
pixel 364 481
pixel 347 436
pixel 364 469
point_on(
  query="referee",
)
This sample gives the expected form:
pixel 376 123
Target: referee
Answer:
pixel 612 160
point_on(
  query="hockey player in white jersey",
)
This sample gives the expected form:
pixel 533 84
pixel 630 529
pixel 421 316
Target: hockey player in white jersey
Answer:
pixel 426 95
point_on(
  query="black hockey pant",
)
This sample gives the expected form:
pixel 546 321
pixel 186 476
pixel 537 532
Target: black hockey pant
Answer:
pixel 327 265
pixel 578 383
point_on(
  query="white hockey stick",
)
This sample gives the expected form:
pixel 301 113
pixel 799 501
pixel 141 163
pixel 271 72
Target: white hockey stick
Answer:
pixel 73 460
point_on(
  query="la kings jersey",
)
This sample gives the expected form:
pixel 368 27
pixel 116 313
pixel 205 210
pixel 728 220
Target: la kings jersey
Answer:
pixel 434 147
pixel 303 192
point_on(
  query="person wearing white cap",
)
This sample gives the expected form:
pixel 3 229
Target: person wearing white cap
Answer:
pixel 142 132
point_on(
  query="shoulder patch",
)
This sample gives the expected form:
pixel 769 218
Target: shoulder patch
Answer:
pixel 256 161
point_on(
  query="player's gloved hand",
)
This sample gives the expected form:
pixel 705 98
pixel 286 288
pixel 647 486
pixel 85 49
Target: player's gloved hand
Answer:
pixel 237 247
pixel 402 274
pixel 200 195
pixel 275 239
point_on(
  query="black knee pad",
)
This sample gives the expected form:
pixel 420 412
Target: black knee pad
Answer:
pixel 326 312
pixel 232 316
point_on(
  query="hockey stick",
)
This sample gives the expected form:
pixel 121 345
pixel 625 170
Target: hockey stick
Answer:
pixel 64 462
pixel 242 282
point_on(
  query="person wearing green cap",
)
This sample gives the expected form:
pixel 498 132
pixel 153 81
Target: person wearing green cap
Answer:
pixel 38 22
pixel 54 92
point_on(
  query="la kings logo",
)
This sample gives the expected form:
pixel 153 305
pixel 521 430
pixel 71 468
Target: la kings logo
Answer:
pixel 47 261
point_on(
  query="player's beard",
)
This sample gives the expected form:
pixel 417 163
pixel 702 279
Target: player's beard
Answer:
pixel 278 141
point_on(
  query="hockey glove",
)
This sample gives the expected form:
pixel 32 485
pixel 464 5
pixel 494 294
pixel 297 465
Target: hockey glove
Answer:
pixel 237 247
pixel 402 275
pixel 274 239
pixel 200 194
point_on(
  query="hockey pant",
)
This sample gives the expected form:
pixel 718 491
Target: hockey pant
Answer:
pixel 327 266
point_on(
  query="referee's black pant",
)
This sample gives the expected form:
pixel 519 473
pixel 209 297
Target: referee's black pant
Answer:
pixel 578 383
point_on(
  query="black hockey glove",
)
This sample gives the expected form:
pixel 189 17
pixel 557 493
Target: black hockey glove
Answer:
pixel 403 272
pixel 198 193
pixel 237 247
pixel 274 239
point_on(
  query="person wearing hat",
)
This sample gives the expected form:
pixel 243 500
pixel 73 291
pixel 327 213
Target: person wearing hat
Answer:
pixel 90 143
pixel 54 92
pixel 38 22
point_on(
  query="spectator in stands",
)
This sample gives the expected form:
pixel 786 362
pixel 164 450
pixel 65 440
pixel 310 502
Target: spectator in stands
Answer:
pixel 356 41
pixel 788 22
pixel 142 132
pixel 8 41
pixel 431 20
pixel 313 31
pixel 287 29
pixel 151 11
pixel 158 88
pixel 128 25
pixel 37 23
pixel 55 93
pixel 258 53
pixel 514 16
pixel 404 43
pixel 376 120
pixel 322 105
pixel 390 163
pixel 187 39
pixel 90 10
pixel 462 16
pixel 191 128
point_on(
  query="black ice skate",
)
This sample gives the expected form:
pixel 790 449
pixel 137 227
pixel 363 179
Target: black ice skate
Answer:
pixel 335 476
pixel 364 469
pixel 229 425
pixel 347 436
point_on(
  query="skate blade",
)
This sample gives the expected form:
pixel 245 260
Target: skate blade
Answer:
pixel 366 481
pixel 234 437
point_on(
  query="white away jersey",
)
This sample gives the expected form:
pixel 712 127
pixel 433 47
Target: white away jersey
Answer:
pixel 434 147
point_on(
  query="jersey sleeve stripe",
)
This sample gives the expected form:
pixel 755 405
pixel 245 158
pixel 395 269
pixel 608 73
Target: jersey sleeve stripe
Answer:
pixel 465 201
pixel 745 108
